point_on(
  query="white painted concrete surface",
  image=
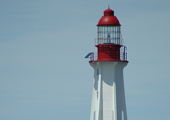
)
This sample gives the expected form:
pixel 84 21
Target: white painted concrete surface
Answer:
pixel 108 99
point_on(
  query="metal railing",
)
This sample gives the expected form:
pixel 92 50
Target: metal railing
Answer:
pixel 105 57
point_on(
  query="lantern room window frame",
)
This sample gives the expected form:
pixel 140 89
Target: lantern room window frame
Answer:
pixel 108 34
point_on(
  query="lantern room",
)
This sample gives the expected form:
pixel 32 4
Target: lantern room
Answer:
pixel 109 42
pixel 108 34
pixel 108 28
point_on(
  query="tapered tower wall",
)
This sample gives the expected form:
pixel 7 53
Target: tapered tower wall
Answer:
pixel 108 99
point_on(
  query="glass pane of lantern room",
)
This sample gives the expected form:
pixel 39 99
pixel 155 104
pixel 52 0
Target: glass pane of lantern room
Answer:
pixel 105 34
pixel 109 34
pixel 116 34
pixel 99 34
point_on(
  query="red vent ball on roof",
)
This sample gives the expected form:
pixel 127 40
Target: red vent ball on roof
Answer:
pixel 109 18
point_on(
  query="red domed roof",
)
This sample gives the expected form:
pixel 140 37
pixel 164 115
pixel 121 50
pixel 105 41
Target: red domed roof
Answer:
pixel 109 18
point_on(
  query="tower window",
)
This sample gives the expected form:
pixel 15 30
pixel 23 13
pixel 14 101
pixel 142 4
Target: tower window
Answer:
pixel 97 71
pixel 122 115
pixel 94 115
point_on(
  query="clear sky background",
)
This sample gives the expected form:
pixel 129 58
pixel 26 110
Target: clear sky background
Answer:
pixel 43 72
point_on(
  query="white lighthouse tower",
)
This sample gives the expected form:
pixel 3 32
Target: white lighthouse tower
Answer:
pixel 108 100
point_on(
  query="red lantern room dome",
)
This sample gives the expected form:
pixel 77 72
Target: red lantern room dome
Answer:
pixel 108 19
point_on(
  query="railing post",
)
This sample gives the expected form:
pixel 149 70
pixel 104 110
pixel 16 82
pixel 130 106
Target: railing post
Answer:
pixel 126 56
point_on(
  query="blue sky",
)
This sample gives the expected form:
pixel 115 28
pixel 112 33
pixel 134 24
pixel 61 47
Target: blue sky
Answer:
pixel 43 73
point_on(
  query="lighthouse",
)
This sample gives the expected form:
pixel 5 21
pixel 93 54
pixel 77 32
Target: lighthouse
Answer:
pixel 108 97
